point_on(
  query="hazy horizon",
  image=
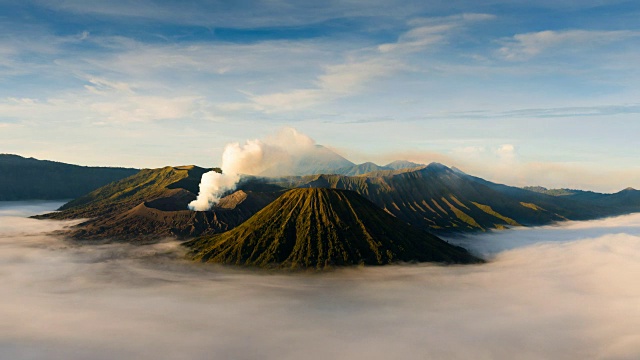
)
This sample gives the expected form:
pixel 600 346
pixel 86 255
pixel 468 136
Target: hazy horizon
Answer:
pixel 585 185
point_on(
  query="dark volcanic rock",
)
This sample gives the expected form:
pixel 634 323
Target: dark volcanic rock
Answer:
pixel 153 204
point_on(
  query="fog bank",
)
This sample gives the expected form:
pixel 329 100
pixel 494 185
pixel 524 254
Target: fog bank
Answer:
pixel 561 292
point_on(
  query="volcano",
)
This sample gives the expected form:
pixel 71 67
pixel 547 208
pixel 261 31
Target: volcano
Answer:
pixel 323 228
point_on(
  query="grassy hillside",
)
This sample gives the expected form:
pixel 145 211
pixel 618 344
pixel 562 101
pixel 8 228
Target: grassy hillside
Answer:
pixel 320 228
pixel 153 204
pixel 441 199
pixel 28 178
pixel 148 184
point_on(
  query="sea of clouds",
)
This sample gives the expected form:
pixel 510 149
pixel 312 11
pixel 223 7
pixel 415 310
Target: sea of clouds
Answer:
pixel 563 292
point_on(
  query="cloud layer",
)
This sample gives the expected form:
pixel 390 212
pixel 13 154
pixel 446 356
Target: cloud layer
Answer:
pixel 560 292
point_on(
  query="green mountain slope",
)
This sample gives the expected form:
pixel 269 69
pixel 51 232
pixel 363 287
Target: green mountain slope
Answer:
pixel 147 185
pixel 153 204
pixel 624 201
pixel 573 204
pixel 28 178
pixel 320 228
pixel 438 198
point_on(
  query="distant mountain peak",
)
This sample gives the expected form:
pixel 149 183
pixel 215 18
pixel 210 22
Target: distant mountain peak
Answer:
pixel 321 160
pixel 360 169
pixel 402 164
pixel 437 166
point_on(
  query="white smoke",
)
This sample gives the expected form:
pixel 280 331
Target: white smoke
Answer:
pixel 275 155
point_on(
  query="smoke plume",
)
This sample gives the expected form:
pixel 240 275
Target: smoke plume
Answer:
pixel 275 155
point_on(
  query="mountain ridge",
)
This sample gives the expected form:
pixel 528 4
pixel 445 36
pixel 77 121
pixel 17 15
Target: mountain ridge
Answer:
pixel 153 204
pixel 30 178
pixel 323 228
pixel 434 198
pixel 441 199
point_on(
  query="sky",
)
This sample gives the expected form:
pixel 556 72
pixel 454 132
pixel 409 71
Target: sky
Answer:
pixel 519 92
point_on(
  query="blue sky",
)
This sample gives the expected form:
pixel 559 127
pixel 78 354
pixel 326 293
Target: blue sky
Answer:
pixel 521 92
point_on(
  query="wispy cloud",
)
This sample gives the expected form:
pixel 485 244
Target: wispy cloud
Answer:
pixel 528 45
pixel 97 72
pixel 103 106
pixel 336 81
pixel 555 112
pixel 575 111
pixel 117 101
pixel 418 38
pixel 363 65
pixel 429 31
pixel 264 13
pixel 103 86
